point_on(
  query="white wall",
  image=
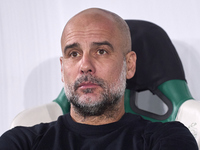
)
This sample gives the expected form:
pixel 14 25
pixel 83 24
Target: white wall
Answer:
pixel 30 44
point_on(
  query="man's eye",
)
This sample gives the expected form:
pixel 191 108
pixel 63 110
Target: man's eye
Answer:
pixel 101 52
pixel 74 54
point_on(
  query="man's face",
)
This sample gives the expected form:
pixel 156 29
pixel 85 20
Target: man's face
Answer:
pixel 93 66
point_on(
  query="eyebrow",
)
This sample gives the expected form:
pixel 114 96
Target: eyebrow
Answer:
pixel 77 45
pixel 103 43
pixel 74 45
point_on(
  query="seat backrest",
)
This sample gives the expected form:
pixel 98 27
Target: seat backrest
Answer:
pixel 159 70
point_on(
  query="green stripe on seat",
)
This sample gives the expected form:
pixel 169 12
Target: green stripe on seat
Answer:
pixel 63 102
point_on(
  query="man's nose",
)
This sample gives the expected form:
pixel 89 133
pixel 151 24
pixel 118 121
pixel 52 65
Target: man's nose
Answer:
pixel 87 65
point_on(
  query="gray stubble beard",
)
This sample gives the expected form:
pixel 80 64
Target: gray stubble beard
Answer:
pixel 108 99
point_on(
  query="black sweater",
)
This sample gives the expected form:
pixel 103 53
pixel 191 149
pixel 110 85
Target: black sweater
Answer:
pixel 131 132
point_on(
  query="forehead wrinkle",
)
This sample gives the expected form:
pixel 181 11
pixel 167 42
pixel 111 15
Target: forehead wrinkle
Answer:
pixel 86 32
pixel 75 35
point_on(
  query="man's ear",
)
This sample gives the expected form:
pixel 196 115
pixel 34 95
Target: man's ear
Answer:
pixel 130 64
pixel 62 71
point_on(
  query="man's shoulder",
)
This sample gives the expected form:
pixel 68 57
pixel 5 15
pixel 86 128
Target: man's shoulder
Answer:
pixel 29 135
pixel 152 126
pixel 22 132
pixel 169 134
pixel 166 126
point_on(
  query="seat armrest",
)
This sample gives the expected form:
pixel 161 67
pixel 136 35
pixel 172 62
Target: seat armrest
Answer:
pixel 189 115
pixel 47 113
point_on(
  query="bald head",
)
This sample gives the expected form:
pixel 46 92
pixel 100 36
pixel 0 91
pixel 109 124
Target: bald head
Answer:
pixel 106 20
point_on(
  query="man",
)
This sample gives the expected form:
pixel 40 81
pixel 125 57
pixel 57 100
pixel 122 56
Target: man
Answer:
pixel 97 60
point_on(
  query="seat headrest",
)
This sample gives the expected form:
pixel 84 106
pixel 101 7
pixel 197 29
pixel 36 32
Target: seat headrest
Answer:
pixel 157 59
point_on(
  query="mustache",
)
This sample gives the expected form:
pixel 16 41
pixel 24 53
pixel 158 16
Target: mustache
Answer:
pixel 89 78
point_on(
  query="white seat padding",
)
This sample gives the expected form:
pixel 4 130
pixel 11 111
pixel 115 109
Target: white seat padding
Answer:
pixel 189 115
pixel 41 114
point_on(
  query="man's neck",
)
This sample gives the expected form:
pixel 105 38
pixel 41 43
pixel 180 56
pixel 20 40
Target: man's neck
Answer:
pixel 106 118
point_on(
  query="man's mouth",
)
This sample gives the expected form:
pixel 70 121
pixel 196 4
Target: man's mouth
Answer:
pixel 88 82
pixel 87 85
